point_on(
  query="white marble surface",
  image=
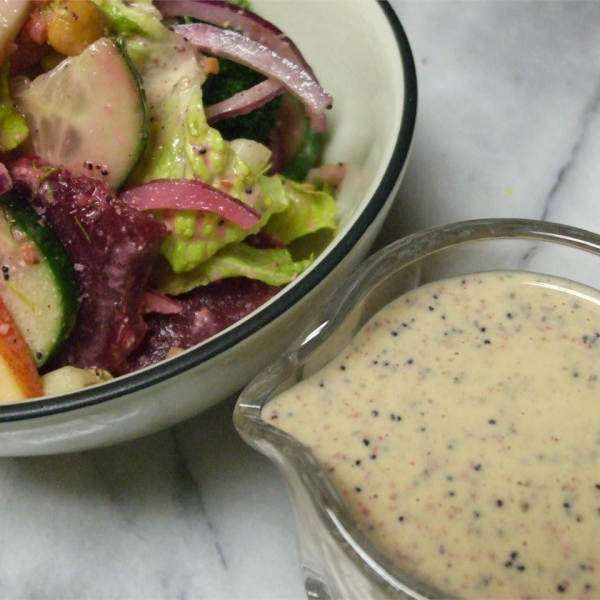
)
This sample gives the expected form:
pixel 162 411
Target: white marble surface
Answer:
pixel 508 125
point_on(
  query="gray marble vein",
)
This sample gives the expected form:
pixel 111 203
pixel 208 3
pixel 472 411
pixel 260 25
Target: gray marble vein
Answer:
pixel 589 116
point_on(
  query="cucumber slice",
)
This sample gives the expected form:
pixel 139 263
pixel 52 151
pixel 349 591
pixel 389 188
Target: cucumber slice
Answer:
pixel 89 114
pixel 38 284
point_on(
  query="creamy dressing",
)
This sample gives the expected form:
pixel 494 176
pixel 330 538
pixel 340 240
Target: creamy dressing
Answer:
pixel 462 428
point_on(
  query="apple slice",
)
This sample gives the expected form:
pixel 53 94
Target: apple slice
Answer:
pixel 13 14
pixel 19 378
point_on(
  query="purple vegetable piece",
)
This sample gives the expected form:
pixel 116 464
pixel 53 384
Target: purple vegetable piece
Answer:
pixel 5 180
pixel 113 247
pixel 205 312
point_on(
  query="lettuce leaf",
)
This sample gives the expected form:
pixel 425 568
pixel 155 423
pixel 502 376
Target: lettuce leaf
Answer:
pixel 127 18
pixel 272 266
pixel 195 237
pixel 13 127
pixel 309 210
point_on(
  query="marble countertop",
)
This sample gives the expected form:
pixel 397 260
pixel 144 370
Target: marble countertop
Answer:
pixel 508 125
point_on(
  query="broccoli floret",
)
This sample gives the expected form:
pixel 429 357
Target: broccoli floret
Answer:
pixel 231 79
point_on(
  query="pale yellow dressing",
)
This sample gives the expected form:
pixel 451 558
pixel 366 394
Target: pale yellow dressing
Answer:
pixel 462 428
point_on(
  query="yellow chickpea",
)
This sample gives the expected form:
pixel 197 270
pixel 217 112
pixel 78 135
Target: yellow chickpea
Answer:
pixel 73 25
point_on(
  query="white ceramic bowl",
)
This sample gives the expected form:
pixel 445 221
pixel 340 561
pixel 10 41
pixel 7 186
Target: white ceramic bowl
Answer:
pixel 361 55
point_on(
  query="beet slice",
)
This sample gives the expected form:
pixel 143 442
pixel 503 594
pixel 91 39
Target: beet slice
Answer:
pixel 113 247
pixel 205 311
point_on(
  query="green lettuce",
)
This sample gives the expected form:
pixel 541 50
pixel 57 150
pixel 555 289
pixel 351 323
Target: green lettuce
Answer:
pixel 309 210
pixel 272 266
pixel 127 18
pixel 197 236
pixel 13 127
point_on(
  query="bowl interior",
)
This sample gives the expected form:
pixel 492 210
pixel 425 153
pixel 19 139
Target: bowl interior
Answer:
pixel 445 252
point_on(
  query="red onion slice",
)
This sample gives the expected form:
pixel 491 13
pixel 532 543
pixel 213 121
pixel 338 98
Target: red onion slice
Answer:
pixel 5 179
pixel 333 174
pixel 190 194
pixel 244 102
pixel 154 302
pixel 227 15
pixel 239 48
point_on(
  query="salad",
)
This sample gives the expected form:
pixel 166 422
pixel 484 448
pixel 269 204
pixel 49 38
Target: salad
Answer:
pixel 159 181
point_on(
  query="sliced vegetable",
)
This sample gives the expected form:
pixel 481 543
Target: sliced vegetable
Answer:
pixel 190 194
pixel 172 79
pixel 327 176
pixel 205 312
pixel 88 114
pixel 12 17
pixel 13 128
pixel 71 379
pixel 309 211
pixel 155 302
pixel 38 282
pixel 236 46
pixel 228 15
pixel 194 236
pixel 244 102
pixel 5 179
pixel 18 373
pixel 273 266
pixel 126 17
pixel 112 246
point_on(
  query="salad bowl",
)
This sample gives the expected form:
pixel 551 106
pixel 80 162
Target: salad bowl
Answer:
pixel 365 63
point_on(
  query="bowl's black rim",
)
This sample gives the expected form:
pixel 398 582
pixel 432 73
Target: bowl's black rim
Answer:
pixel 163 371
